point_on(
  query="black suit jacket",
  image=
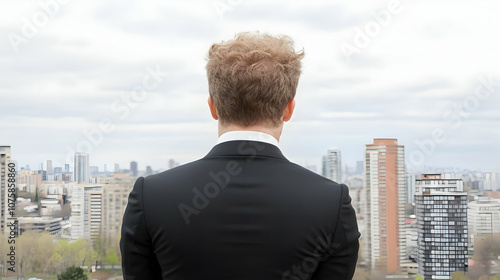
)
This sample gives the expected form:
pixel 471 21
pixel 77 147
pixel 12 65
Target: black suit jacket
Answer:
pixel 242 212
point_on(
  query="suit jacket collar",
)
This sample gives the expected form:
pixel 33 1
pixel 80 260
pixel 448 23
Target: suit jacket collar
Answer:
pixel 246 148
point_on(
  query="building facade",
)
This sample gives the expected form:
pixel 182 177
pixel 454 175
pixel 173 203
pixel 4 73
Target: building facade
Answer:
pixel 483 218
pixel 332 165
pixel 134 168
pixel 86 211
pixel 441 209
pixel 4 201
pixel 40 224
pixel 81 168
pixel 385 190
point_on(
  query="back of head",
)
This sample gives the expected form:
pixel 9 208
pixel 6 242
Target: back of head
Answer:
pixel 252 78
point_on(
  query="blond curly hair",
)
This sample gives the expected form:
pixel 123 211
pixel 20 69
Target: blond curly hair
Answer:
pixel 253 77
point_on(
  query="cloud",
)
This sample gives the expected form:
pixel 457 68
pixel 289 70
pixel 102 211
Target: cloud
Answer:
pixel 427 61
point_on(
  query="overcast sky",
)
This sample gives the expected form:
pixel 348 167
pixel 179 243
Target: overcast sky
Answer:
pixel 410 70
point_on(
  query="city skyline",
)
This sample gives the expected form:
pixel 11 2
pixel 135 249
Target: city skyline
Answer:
pixel 319 164
pixel 423 73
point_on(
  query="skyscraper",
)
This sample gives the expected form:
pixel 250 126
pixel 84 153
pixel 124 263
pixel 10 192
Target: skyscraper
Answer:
pixel 4 202
pixel 410 187
pixel 133 168
pixel 81 174
pixel 385 191
pixel 332 165
pixel 50 171
pixel 441 208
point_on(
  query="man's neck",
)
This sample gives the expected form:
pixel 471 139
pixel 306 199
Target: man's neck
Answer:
pixel 273 131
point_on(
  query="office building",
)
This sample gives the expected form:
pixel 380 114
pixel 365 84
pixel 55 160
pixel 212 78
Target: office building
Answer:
pixel 332 165
pixel 484 218
pixel 81 168
pixel 441 210
pixel 4 176
pixel 50 171
pixel 410 187
pixel 133 168
pixel 384 212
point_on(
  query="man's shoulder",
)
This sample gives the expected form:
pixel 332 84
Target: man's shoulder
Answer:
pixel 182 169
pixel 302 171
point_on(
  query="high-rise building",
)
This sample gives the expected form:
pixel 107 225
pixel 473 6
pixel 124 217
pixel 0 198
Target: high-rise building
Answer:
pixel 86 211
pixel 483 218
pixel 50 171
pixel 115 193
pixel 4 201
pixel 117 168
pixel 133 168
pixel 332 165
pixel 441 209
pixel 410 187
pixel 385 191
pixel 149 170
pixel 81 174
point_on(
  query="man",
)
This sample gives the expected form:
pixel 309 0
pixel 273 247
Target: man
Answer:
pixel 243 211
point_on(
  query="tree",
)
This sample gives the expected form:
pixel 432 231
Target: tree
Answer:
pixel 72 273
pixel 485 251
pixel 459 275
pixel 112 259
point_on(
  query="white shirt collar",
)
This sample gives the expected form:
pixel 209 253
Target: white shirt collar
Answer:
pixel 248 135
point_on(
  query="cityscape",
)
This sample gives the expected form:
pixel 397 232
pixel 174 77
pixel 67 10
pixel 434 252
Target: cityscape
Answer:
pixel 431 224
pixel 397 99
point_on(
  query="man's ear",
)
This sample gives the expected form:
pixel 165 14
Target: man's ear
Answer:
pixel 289 110
pixel 213 111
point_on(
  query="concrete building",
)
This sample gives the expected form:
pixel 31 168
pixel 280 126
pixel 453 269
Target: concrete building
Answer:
pixel 441 209
pixel 86 211
pixel 29 180
pixel 39 224
pixel 332 165
pixel 410 187
pixel 81 168
pixel 385 188
pixel 115 197
pixel 134 168
pixel 484 218
pixel 4 199
pixel 50 171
